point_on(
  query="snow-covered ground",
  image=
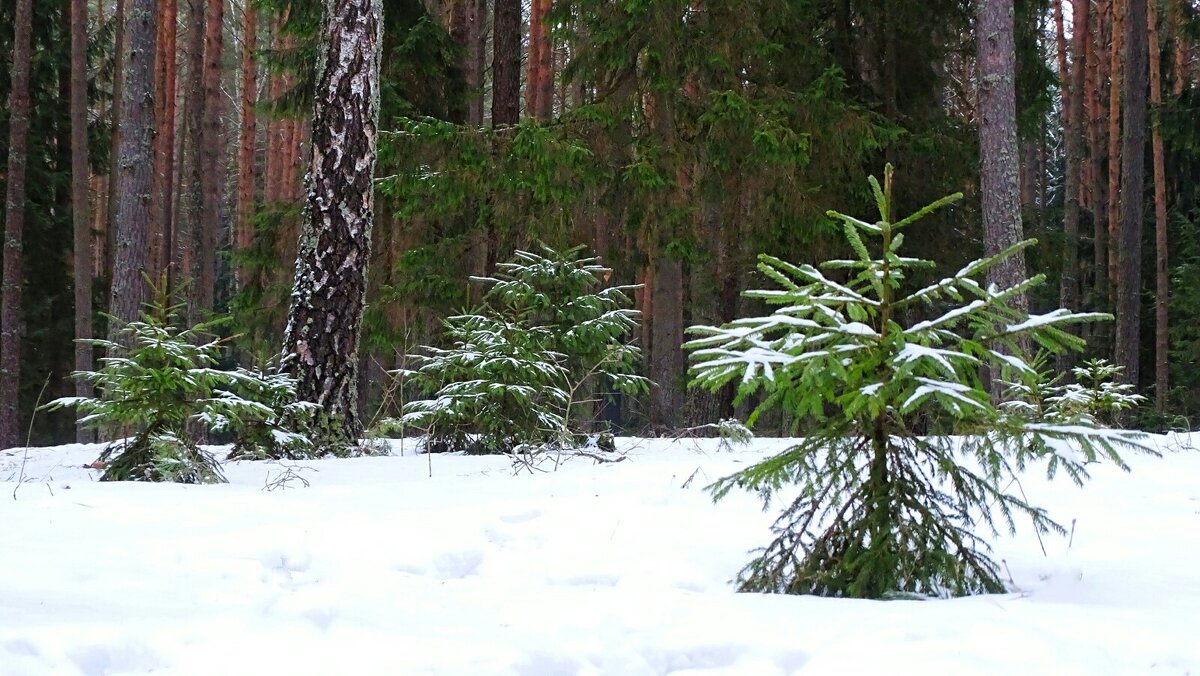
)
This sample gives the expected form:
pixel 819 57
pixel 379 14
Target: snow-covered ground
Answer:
pixel 377 567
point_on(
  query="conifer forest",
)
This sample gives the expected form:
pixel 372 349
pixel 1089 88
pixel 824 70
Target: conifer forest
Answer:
pixel 158 146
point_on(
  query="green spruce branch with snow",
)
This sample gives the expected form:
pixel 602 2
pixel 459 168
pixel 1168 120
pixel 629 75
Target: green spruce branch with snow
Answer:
pixel 879 509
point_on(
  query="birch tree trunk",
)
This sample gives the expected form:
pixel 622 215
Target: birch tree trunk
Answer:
pixel 324 321
pixel 14 221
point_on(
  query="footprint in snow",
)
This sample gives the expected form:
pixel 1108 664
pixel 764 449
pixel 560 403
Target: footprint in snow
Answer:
pixel 458 564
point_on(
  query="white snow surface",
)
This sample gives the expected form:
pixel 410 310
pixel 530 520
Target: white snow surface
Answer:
pixel 621 568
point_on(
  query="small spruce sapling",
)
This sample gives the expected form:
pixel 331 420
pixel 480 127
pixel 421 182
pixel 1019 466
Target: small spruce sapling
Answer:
pixel 519 372
pixel 159 387
pixel 881 511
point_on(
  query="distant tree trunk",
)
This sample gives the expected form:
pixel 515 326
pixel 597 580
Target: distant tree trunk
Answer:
pixel 325 317
pixel 999 163
pixel 246 134
pixel 136 167
pixel 539 83
pixel 476 20
pixel 164 138
pixel 1073 139
pixel 191 179
pixel 1060 41
pixel 82 235
pixel 1160 215
pixel 1183 48
pixel 1094 60
pixel 118 97
pixel 1114 139
pixel 506 62
pixel 14 221
pixel 1133 154
pixel 212 171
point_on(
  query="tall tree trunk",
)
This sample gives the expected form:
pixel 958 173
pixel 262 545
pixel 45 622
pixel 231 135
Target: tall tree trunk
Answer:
pixel 1183 48
pixel 118 98
pixel 212 171
pixel 164 138
pixel 1133 153
pixel 1095 62
pixel 999 163
pixel 135 167
pixel 1160 214
pixel 1114 138
pixel 81 222
pixel 473 65
pixel 1074 129
pixel 246 134
pixel 325 317
pixel 191 178
pixel 539 83
pixel 506 62
pixel 14 221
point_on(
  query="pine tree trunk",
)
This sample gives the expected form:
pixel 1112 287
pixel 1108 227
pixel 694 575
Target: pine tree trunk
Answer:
pixel 473 64
pixel 118 97
pixel 246 134
pixel 1073 139
pixel 81 230
pixel 135 167
pixel 212 171
pixel 545 84
pixel 1133 142
pixel 14 221
pixel 1160 215
pixel 1097 73
pixel 1114 139
pixel 325 318
pixel 999 163
pixel 164 138
pixel 506 62
pixel 192 190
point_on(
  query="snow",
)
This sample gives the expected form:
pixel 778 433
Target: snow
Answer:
pixel 377 567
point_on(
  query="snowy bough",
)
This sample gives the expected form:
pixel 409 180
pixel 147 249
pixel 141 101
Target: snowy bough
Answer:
pixel 883 511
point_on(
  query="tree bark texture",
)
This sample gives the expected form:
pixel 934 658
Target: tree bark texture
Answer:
pixel 243 232
pixel 1133 152
pixel 81 221
pixel 164 138
pixel 1114 138
pixel 324 321
pixel 1073 139
pixel 506 62
pixel 1095 62
pixel 135 167
pixel 1161 281
pixel 14 222
pixel 191 178
pixel 999 164
pixel 212 170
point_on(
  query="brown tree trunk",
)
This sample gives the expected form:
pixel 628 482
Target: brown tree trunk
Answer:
pixel 1097 74
pixel 212 171
pixel 1133 148
pixel 539 83
pixel 476 19
pixel 14 221
pixel 135 167
pixel 1160 215
pixel 118 97
pixel 243 233
pixel 506 62
pixel 330 289
pixel 164 138
pixel 1183 48
pixel 191 177
pixel 81 230
pixel 999 163
pixel 1114 138
pixel 1060 41
pixel 1073 139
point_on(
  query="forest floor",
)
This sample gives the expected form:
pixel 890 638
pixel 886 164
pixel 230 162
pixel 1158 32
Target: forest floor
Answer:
pixel 447 564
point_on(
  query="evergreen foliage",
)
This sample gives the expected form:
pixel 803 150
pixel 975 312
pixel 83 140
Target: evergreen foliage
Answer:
pixel 521 371
pixel 882 511
pixel 160 389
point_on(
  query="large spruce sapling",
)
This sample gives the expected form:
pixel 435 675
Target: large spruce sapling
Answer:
pixel 880 511
pixel 524 370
